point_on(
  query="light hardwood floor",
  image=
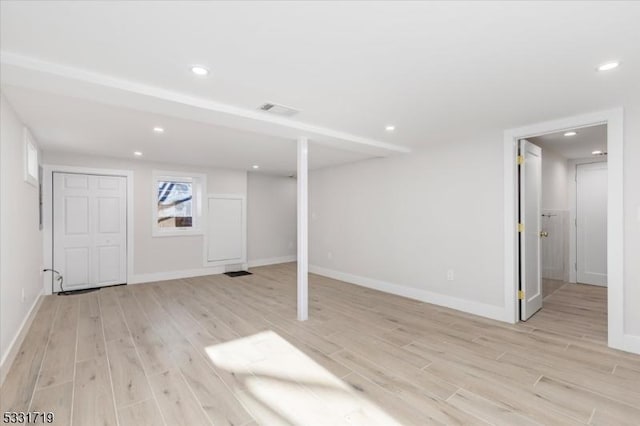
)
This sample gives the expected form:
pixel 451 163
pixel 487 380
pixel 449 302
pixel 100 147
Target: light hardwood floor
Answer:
pixel 550 286
pixel 228 351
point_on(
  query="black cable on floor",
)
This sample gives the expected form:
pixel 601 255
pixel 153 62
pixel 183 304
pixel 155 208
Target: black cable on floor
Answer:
pixel 60 278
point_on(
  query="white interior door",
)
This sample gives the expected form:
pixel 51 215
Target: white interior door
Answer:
pixel 89 230
pixel 530 199
pixel 591 223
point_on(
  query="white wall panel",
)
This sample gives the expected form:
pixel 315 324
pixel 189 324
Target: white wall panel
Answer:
pixel 225 226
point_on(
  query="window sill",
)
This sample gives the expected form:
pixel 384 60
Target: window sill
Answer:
pixel 175 233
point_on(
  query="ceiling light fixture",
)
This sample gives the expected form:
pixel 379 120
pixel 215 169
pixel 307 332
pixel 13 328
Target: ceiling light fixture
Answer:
pixel 255 166
pixel 571 133
pixel 137 153
pixel 199 70
pixel 596 152
pixel 390 128
pixel 608 66
pixel 158 129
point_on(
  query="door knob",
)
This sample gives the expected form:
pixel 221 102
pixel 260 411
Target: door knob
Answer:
pixel 544 234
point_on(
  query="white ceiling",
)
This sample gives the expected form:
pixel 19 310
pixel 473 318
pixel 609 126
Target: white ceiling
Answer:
pixel 76 125
pixel 586 140
pixel 438 71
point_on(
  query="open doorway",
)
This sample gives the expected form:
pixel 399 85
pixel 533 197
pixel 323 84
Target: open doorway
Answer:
pixel 562 209
pixel 614 119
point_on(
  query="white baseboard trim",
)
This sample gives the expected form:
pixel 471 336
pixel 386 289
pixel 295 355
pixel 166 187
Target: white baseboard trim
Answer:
pixel 631 343
pixel 553 274
pixel 272 261
pixel 476 308
pixel 14 346
pixel 175 275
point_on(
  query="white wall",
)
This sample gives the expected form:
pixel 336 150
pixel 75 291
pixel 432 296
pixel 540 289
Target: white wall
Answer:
pixel 555 175
pixel 403 221
pixel 154 256
pixel 20 237
pixel 271 212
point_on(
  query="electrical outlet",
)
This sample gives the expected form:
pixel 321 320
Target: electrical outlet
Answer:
pixel 290 244
pixel 329 255
pixel 450 275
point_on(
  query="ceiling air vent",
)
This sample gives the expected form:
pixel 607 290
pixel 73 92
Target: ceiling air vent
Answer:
pixel 278 110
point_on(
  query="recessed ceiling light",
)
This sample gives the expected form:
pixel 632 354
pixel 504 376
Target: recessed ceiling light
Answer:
pixel 137 153
pixel 390 128
pixel 158 129
pixel 255 166
pixel 199 70
pixel 571 133
pixel 608 66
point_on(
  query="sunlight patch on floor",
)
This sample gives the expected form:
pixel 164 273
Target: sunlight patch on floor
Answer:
pixel 284 386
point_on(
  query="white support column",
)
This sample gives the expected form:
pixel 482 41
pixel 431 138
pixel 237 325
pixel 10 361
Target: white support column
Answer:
pixel 303 232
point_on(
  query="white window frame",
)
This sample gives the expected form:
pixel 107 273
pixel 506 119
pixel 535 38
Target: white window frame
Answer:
pixel 30 158
pixel 199 187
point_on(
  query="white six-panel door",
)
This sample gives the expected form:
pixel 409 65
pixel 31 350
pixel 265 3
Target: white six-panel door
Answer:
pixel 591 223
pixel 89 230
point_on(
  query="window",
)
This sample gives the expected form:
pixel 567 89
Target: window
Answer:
pixel 30 159
pixel 177 204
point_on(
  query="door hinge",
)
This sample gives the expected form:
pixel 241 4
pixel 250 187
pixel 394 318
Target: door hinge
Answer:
pixel 520 159
pixel 520 294
pixel 520 227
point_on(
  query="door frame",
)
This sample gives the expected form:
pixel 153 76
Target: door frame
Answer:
pixel 47 214
pixel 613 118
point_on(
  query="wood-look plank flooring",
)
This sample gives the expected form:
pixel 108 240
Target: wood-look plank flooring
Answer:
pixel 550 286
pixel 228 351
